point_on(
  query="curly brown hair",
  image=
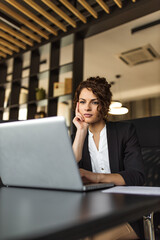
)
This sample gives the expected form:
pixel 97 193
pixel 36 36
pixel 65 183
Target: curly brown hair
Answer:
pixel 101 88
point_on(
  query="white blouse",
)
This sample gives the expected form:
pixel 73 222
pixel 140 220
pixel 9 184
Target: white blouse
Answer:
pixel 99 158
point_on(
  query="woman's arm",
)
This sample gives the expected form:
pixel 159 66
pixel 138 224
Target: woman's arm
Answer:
pixel 133 172
pixel 81 133
pixel 78 143
pixel 91 177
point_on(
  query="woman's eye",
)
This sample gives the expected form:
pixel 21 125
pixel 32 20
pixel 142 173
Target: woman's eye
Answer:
pixel 95 103
pixel 82 102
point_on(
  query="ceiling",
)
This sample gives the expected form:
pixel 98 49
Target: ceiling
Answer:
pixel 36 22
pixel 131 82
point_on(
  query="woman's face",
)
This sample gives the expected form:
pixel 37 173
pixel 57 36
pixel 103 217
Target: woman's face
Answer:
pixel 89 106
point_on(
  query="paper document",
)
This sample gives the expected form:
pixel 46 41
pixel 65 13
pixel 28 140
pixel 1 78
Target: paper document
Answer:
pixel 134 190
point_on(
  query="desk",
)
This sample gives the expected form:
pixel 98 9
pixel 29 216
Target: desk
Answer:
pixel 43 214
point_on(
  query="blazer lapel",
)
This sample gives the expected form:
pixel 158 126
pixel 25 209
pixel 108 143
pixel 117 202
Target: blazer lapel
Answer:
pixel 112 147
pixel 112 150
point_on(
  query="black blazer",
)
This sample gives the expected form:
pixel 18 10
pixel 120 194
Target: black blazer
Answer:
pixel 124 156
pixel 124 153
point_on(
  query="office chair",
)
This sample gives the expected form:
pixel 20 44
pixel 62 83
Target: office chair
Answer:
pixel 148 131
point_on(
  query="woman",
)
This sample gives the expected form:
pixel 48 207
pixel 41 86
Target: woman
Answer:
pixel 105 151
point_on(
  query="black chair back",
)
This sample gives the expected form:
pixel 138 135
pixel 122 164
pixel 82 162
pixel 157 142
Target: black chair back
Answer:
pixel 148 131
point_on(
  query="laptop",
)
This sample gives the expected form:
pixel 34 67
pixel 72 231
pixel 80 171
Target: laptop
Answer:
pixel 38 153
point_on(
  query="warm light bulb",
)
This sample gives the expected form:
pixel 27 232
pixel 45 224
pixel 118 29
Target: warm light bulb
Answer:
pixel 118 111
pixel 115 104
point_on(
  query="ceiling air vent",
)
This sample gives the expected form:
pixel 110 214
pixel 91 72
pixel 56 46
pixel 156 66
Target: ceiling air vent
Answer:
pixel 139 55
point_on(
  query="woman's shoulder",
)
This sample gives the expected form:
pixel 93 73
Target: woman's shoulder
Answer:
pixel 121 126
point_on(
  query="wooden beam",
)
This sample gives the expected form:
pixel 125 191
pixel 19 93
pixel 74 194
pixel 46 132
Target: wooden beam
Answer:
pixel 23 20
pixel 103 5
pixel 60 12
pixel 119 3
pixel 46 14
pixel 3 55
pixel 13 40
pixel 30 34
pixel 5 50
pixel 73 10
pixel 106 22
pixel 14 33
pixel 29 14
pixel 89 8
pixel 10 46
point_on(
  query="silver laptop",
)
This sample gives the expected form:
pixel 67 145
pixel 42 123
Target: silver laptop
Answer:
pixel 38 153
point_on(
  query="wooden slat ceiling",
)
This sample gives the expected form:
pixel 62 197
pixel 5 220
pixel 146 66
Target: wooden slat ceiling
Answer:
pixel 26 23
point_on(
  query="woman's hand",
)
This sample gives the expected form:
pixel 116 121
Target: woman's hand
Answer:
pixel 88 177
pixel 79 120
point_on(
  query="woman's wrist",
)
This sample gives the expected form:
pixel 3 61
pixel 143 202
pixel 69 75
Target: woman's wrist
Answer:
pixel 82 132
pixel 115 178
pixel 101 177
